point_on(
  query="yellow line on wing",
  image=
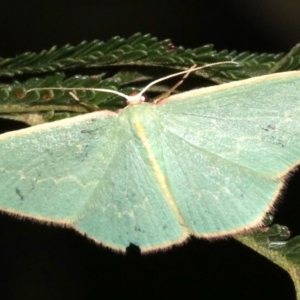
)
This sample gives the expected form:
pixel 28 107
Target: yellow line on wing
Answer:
pixel 160 177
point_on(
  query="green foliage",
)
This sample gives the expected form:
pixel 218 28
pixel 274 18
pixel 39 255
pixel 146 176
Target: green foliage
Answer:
pixel 121 64
pixel 127 65
pixel 273 243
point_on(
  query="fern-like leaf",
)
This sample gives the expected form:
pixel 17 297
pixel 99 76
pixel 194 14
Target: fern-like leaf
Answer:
pixel 273 243
pixel 120 64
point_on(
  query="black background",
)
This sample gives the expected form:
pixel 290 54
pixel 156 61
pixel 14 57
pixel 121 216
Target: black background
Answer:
pixel 42 262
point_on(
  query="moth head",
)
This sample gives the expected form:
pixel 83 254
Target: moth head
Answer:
pixel 136 98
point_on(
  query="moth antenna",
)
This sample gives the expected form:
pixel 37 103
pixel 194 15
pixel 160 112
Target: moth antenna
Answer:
pixel 80 89
pixel 137 98
pixel 184 72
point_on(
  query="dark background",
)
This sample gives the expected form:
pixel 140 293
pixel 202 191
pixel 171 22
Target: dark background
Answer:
pixel 42 262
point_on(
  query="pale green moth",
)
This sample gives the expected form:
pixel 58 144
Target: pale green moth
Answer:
pixel 209 162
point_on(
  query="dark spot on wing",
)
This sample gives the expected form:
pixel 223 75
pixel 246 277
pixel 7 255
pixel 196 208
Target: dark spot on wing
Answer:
pixel 137 228
pixel 85 152
pixel 18 192
pixel 89 131
pixel 280 143
pixel 274 136
pixel 268 128
pixel 277 141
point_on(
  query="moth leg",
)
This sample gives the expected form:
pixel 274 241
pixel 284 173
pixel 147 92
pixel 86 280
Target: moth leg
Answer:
pixel 174 87
pixel 86 105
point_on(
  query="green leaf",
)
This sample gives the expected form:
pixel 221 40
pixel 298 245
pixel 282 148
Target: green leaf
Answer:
pixel 273 244
pixel 137 58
